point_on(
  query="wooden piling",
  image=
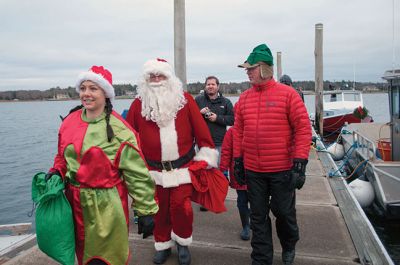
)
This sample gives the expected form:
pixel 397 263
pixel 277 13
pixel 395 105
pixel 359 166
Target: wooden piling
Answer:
pixel 278 65
pixel 180 41
pixel 319 78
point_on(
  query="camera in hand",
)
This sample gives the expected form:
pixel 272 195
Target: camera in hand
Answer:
pixel 207 114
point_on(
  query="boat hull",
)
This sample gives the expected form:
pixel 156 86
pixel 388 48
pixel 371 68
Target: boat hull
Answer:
pixel 335 123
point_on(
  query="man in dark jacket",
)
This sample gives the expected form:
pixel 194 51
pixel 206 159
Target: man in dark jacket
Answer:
pixel 272 136
pixel 285 79
pixel 217 110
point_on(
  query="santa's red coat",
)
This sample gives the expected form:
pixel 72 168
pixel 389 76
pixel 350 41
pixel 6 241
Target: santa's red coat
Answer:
pixel 174 140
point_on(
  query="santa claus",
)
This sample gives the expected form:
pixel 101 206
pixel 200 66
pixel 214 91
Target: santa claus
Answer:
pixel 169 124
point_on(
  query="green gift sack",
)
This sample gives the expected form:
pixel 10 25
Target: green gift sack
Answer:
pixel 54 222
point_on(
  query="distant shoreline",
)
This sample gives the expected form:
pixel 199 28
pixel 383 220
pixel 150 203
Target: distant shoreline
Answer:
pixel 130 97
pixel 35 100
pixel 55 100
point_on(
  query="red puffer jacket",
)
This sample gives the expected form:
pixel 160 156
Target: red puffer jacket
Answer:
pixel 226 162
pixel 271 127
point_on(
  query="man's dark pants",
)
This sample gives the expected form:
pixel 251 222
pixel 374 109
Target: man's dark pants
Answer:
pixel 271 191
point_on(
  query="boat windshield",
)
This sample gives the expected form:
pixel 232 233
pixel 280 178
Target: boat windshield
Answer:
pixel 338 97
pixel 333 97
pixel 352 97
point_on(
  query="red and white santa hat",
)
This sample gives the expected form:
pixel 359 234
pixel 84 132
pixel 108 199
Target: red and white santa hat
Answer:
pixel 100 76
pixel 157 66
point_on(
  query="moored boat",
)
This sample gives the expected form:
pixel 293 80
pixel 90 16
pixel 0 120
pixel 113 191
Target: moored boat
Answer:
pixel 343 107
pixel 384 175
pixel 377 147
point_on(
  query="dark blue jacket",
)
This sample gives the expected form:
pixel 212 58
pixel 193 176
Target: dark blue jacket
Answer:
pixel 224 109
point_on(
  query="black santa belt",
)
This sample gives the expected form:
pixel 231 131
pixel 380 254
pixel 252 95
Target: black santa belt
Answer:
pixel 170 165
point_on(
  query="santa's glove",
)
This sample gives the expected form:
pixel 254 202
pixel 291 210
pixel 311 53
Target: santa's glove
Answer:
pixel 50 174
pixel 299 172
pixel 145 225
pixel 238 171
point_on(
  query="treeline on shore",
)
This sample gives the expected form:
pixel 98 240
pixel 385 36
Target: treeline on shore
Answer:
pixel 128 90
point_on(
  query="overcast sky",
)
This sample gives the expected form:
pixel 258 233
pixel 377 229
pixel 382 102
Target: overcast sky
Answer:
pixel 46 43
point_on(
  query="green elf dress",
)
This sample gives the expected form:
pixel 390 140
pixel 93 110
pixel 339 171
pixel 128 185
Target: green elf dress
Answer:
pixel 99 176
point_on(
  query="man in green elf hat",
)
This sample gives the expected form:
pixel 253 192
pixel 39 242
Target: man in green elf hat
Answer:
pixel 272 136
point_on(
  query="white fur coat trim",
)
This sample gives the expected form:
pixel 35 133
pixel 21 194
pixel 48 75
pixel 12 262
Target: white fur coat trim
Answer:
pixel 169 142
pixel 181 241
pixel 164 245
pixel 210 155
pixel 173 178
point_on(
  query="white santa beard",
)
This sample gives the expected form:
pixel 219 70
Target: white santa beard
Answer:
pixel 161 101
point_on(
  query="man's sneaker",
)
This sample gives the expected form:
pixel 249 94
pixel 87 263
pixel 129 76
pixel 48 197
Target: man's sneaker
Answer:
pixel 288 256
pixel 161 256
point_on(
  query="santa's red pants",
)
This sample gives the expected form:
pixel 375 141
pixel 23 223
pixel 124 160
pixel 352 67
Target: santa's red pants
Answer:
pixel 174 220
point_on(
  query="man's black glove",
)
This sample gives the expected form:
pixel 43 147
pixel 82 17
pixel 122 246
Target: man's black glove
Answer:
pixel 145 225
pixel 299 172
pixel 50 174
pixel 238 171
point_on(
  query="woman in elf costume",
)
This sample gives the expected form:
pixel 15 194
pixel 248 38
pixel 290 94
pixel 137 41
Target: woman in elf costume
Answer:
pixel 100 160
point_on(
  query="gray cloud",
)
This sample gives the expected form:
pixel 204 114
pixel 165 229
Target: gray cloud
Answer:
pixel 46 43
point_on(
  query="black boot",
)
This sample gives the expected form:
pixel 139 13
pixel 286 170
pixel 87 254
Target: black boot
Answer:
pixel 288 256
pixel 161 256
pixel 203 209
pixel 245 218
pixel 183 255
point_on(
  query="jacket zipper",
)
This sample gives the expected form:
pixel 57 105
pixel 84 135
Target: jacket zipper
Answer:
pixel 257 136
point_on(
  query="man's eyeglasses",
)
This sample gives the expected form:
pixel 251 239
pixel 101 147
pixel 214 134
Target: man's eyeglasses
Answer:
pixel 158 76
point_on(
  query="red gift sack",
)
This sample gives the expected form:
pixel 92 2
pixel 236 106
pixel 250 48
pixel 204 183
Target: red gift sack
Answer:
pixel 210 187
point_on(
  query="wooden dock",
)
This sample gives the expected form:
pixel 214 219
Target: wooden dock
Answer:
pixel 332 230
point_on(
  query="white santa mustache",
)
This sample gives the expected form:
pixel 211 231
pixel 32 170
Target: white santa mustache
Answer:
pixel 163 83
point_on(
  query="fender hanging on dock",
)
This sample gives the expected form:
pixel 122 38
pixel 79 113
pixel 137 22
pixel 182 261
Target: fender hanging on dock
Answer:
pixel 336 150
pixel 363 191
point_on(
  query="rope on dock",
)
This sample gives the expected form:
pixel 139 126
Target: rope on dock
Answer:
pixel 357 168
pixel 347 155
pixel 332 125
pixel 323 149
pixel 334 132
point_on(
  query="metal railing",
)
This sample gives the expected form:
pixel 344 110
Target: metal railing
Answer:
pixel 365 146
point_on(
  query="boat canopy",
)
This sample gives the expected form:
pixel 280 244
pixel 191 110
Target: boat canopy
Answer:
pixel 342 100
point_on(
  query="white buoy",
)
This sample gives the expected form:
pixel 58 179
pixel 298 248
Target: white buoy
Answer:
pixel 363 191
pixel 336 151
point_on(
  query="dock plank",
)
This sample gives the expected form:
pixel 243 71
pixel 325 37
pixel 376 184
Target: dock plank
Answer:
pixel 316 191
